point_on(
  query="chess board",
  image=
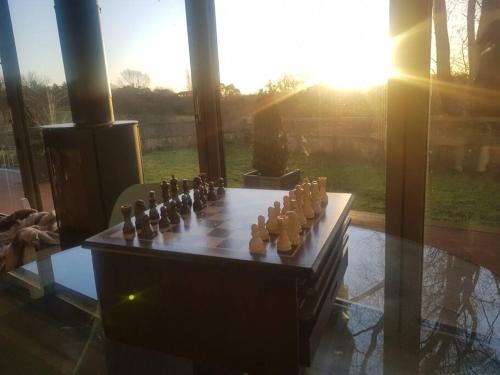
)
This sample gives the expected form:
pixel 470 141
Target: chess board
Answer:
pixel 222 230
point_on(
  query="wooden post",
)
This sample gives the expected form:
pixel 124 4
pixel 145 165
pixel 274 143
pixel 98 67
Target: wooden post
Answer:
pixel 407 138
pixel 13 88
pixel 202 36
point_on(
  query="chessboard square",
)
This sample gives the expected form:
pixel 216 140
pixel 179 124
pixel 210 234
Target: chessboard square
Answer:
pixel 233 244
pixel 209 241
pixel 218 232
pixel 219 203
pixel 219 216
pixel 211 210
pixel 212 223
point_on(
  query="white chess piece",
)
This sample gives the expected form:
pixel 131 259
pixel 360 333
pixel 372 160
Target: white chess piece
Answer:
pixel 284 245
pixel 291 194
pixel 299 195
pixel 264 233
pixel 272 221
pixel 307 207
pixel 322 190
pixel 277 208
pixel 315 198
pixel 256 245
pixel 300 215
pixel 286 205
pixel 293 228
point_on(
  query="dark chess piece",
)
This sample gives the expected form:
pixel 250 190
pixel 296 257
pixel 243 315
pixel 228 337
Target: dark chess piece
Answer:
pixel 147 232
pixel 185 190
pixel 128 226
pixel 174 192
pixel 173 214
pixel 165 192
pixel 154 215
pixel 221 189
pixel 197 202
pixel 185 207
pixel 211 196
pixel 139 208
pixel 164 221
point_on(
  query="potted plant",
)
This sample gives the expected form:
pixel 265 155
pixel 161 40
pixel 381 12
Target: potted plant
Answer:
pixel 270 149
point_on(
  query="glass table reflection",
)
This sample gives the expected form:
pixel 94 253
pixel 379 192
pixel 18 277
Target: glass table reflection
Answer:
pixel 447 322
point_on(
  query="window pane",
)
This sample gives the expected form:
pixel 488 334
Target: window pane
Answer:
pixel 322 67
pixel 42 71
pixel 149 70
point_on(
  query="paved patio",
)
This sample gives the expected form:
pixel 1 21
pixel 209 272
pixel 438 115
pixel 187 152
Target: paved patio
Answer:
pixel 11 191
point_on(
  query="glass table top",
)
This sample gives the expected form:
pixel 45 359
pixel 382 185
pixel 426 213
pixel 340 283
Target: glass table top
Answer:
pixel 383 322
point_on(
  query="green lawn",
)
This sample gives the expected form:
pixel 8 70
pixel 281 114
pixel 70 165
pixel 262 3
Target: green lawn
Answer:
pixel 457 199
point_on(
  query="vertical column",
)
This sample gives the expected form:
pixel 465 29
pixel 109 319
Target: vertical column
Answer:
pixel 202 35
pixel 13 87
pixel 407 137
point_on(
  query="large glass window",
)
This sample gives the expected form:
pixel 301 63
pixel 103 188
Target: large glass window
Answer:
pixel 148 62
pixel 43 80
pixel 317 72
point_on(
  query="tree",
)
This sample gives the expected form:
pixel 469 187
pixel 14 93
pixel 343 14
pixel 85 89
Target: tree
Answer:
pixel 442 40
pixel 227 91
pixel 471 38
pixel 283 85
pixel 135 79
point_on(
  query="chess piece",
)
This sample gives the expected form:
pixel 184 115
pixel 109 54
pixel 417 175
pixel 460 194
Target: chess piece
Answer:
pixel 199 184
pixel 164 223
pixel 286 205
pixel 322 190
pixel 299 194
pixel 128 226
pixel 307 206
pixel 211 196
pixel 139 208
pixel 185 207
pixel 173 214
pixel 165 192
pixel 264 233
pixel 315 198
pixel 185 191
pixel 256 245
pixel 174 192
pixel 147 232
pixel 291 194
pixel 293 228
pixel 284 245
pixel 221 189
pixel 197 202
pixel 272 221
pixel 300 214
pixel 154 215
pixel 277 208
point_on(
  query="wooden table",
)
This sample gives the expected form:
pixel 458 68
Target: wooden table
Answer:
pixel 196 291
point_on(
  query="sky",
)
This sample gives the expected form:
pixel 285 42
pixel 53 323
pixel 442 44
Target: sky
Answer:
pixel 340 43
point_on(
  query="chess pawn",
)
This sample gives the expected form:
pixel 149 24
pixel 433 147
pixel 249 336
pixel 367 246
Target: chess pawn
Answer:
pixel 165 192
pixel 322 190
pixel 277 208
pixel 307 207
pixel 284 245
pixel 211 196
pixel 139 208
pixel 173 214
pixel 272 221
pixel 286 205
pixel 299 194
pixel 164 223
pixel 300 214
pixel 315 198
pixel 154 215
pixel 197 202
pixel 221 189
pixel 256 245
pixel 264 233
pixel 293 228
pixel 128 226
pixel 185 207
pixel 185 191
pixel 147 232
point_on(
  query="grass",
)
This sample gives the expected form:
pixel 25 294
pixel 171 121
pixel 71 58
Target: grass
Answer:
pixel 456 199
